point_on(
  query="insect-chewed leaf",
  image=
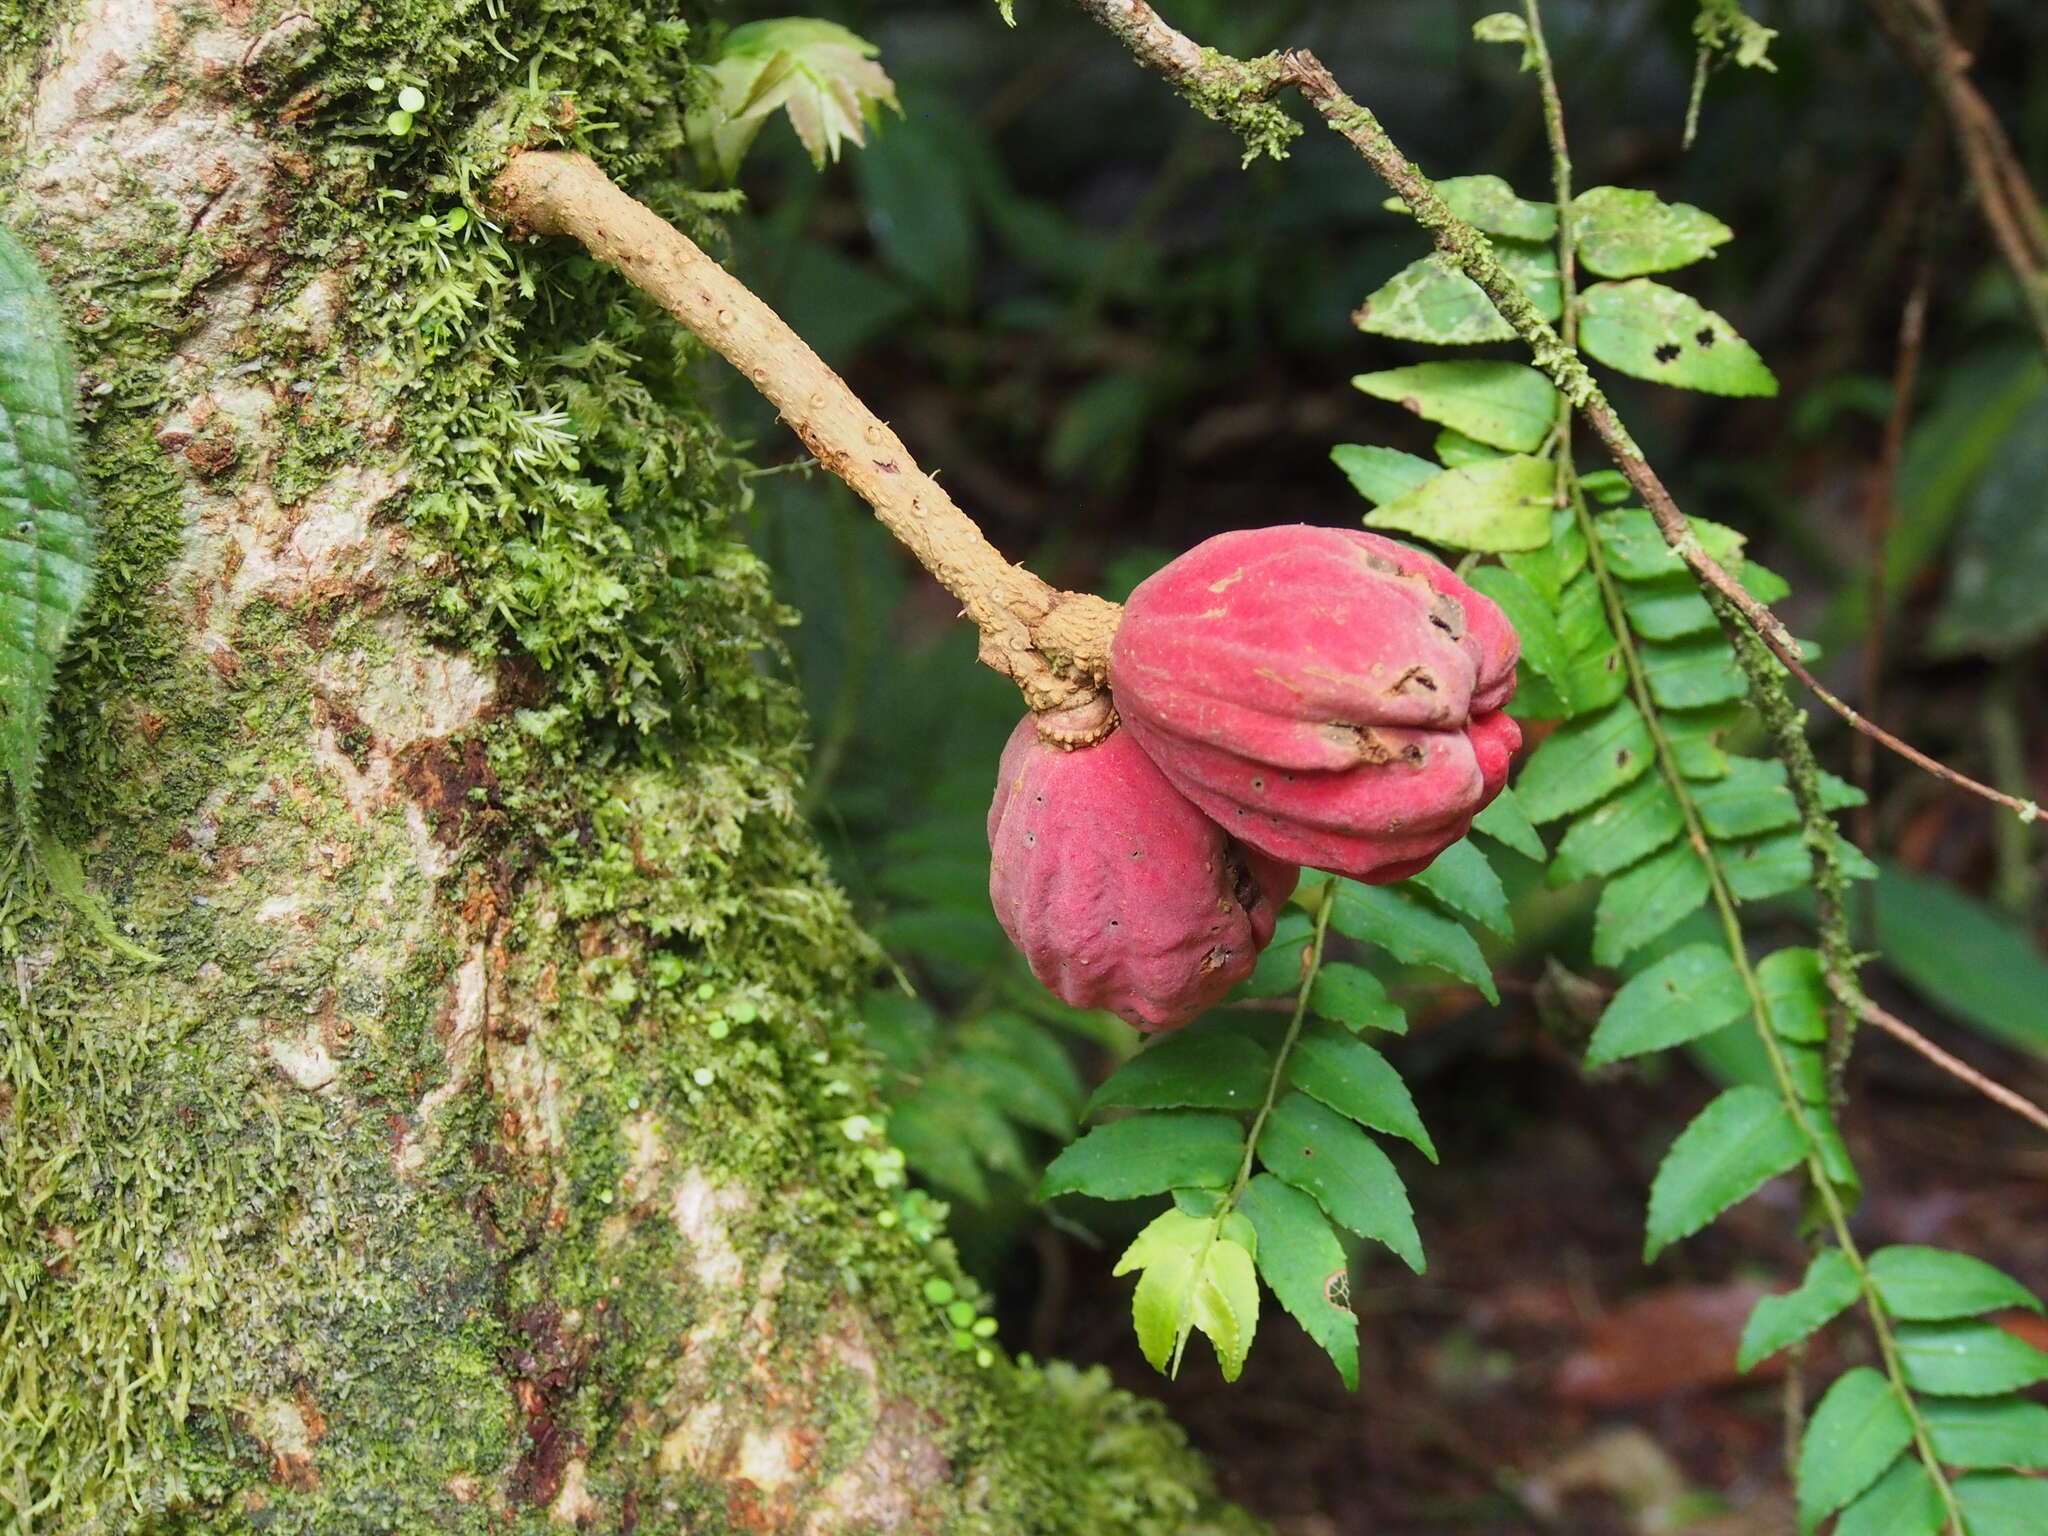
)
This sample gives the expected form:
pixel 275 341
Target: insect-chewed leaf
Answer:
pixel 1648 902
pixel 1543 650
pixel 1926 1285
pixel 1432 301
pixel 1584 761
pixel 1349 1076
pixel 1509 405
pixel 1995 1503
pixel 1619 832
pixel 1147 1154
pixel 1381 474
pixel 1325 1155
pixel 1904 1502
pixel 1490 505
pixel 1683 996
pixel 46 531
pixel 1462 879
pixel 1303 1262
pixel 1625 233
pixel 1827 1291
pixel 1658 333
pixel 1193 1068
pixel 1489 203
pixel 1379 915
pixel 1507 823
pixel 1636 551
pixel 1988 1431
pixel 1352 996
pixel 1691 674
pixel 1743 1138
pixel 1857 1430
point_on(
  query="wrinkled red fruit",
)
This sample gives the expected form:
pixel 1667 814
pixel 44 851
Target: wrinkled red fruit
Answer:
pixel 1330 697
pixel 1120 893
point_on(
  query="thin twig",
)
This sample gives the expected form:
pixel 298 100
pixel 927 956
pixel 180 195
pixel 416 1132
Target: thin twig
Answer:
pixel 1054 645
pixel 1226 88
pixel 1900 1030
pixel 2011 211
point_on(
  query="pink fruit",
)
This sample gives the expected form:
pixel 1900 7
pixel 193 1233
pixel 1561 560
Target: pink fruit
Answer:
pixel 1119 892
pixel 1329 697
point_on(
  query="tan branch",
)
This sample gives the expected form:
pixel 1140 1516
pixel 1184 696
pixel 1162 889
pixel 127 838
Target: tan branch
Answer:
pixel 1870 1013
pixel 1054 645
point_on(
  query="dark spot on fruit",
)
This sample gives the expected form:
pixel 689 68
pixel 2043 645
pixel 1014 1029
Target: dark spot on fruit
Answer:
pixel 1415 678
pixel 1668 352
pixel 1259 785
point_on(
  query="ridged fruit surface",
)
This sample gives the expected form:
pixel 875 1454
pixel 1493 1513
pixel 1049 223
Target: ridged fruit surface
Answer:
pixel 1119 892
pixel 1327 696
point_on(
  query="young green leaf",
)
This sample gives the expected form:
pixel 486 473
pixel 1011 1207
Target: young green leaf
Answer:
pixel 1192 1277
pixel 1647 902
pixel 1683 996
pixel 1352 996
pixel 1304 1264
pixel 1619 832
pixel 1378 915
pixel 1828 1290
pixel 1857 1430
pixel 1927 1285
pixel 823 75
pixel 1509 405
pixel 1381 474
pixel 1489 203
pixel 1904 1502
pixel 1461 879
pixel 1431 301
pixel 1968 1359
pixel 1988 1431
pixel 1189 1069
pixel 1490 505
pixel 1584 761
pixel 1507 823
pixel 1745 1137
pixel 1349 1076
pixel 1323 1154
pixel 1626 233
pixel 1146 1155
pixel 46 532
pixel 2003 1504
pixel 1658 333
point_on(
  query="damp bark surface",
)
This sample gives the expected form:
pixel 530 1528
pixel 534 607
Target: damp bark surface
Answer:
pixel 490 1145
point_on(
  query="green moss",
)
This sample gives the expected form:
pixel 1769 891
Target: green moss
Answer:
pixel 235 1311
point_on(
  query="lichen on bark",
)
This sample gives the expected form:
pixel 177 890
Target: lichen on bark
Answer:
pixel 492 1147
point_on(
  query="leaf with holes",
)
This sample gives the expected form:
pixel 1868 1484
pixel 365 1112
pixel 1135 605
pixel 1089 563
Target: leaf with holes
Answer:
pixel 1658 333
pixel 1349 1076
pixel 1148 1154
pixel 1625 233
pixel 1507 405
pixel 1745 1137
pixel 1303 1263
pixel 1377 915
pixel 1432 301
pixel 1857 1430
pixel 1828 1290
pixel 1490 505
pixel 46 532
pixel 1195 1068
pixel 1929 1285
pixel 1584 761
pixel 1324 1155
pixel 1683 996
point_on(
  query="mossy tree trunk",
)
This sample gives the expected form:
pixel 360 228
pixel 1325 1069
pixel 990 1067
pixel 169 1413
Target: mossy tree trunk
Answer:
pixel 488 1147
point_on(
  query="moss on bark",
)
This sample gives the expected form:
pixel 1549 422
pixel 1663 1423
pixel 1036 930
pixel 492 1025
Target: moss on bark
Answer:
pixel 493 1146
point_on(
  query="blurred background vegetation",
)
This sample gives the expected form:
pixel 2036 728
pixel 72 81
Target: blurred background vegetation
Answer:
pixel 1111 340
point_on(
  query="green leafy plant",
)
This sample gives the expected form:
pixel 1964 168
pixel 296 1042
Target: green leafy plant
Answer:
pixel 46 531
pixel 823 76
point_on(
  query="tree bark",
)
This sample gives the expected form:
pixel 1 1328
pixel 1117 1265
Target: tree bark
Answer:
pixel 491 1146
